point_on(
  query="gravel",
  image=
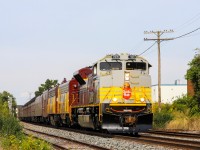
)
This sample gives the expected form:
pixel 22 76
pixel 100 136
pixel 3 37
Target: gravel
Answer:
pixel 64 143
pixel 109 143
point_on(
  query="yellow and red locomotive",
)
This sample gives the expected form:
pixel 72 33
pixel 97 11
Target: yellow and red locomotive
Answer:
pixel 114 95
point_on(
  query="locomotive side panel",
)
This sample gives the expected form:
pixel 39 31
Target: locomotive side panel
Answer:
pixel 82 77
pixel 63 98
pixel 38 106
pixel 45 103
pixel 32 109
pixel 73 93
pixel 52 101
pixel 24 110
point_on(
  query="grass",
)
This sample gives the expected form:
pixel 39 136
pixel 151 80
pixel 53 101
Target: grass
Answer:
pixel 183 122
pixel 182 114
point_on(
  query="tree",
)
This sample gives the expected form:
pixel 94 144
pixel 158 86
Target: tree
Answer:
pixel 4 98
pixel 193 74
pixel 46 86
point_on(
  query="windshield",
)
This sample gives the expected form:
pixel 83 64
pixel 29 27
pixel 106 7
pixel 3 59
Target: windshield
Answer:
pixel 110 66
pixel 135 65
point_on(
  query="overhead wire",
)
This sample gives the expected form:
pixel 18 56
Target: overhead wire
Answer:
pixel 138 45
pixel 193 35
pixel 188 22
pixel 186 33
pixel 148 48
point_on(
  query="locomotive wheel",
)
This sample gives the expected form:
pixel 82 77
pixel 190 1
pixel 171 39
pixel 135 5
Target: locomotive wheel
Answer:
pixel 57 123
pixel 135 134
pixel 53 123
pixel 96 123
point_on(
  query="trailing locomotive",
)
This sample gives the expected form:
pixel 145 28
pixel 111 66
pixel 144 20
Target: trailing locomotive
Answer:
pixel 114 95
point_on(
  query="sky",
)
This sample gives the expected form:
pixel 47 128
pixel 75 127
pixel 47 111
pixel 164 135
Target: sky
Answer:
pixel 48 39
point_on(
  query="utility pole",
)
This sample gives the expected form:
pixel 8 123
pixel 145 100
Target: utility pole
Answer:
pixel 159 40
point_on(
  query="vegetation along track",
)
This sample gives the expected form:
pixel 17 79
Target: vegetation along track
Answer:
pixel 168 139
pixel 63 143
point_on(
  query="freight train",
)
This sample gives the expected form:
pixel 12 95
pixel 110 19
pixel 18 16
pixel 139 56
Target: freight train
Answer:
pixel 114 94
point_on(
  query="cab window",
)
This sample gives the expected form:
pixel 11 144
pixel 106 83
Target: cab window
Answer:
pixel 135 65
pixel 110 66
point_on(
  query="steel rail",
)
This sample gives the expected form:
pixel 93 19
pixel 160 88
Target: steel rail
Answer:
pixel 178 134
pixel 103 134
pixel 63 138
pixel 169 142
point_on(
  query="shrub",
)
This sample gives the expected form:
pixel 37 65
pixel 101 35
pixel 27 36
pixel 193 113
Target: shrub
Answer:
pixel 186 103
pixel 161 118
pixel 164 116
pixel 10 126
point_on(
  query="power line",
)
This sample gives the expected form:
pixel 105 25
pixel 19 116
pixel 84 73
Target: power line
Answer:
pixel 188 22
pixel 152 50
pixel 186 34
pixel 138 45
pixel 148 48
pixel 193 35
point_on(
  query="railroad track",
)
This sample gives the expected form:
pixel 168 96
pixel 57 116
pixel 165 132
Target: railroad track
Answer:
pixel 177 134
pixel 167 139
pixel 82 131
pixel 152 139
pixel 63 143
pixel 101 142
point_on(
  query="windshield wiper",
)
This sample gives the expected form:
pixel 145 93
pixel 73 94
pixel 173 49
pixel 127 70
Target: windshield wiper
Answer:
pixel 109 64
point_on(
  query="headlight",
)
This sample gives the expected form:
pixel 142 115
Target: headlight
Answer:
pixel 114 99
pixel 127 76
pixel 142 99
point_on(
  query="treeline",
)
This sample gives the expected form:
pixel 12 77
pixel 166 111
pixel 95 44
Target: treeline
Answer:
pixel 46 86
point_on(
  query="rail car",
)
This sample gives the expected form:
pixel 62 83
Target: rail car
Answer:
pixel 113 94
